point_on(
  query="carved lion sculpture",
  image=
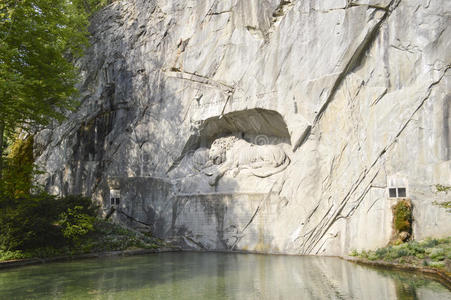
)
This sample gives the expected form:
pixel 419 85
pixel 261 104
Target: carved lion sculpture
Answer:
pixel 232 153
pixel 200 159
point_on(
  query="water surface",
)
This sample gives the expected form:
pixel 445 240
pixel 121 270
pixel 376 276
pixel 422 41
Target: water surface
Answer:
pixel 214 276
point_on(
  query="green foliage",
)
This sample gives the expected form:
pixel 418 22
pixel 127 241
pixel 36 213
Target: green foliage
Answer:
pixel 12 255
pixel 427 252
pixel 446 205
pixel 437 264
pixel 33 221
pixel 109 236
pixel 442 188
pixel 39 43
pixel 75 223
pixel 18 170
pixel 28 222
pixel 39 40
pixel 102 236
pixel 429 243
pixel 91 6
pixel 402 216
pixel 436 253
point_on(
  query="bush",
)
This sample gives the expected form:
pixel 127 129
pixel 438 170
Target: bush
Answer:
pixel 35 221
pixel 415 248
pixel 12 255
pixel 75 223
pixel 381 252
pixel 402 216
pixel 428 251
pixel 437 264
pixel 429 243
pixel 436 253
pixel 29 222
pixel 18 168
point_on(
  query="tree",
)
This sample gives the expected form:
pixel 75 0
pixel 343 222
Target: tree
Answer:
pixel 39 40
pixel 17 180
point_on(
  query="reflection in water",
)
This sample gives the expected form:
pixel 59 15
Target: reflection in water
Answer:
pixel 214 276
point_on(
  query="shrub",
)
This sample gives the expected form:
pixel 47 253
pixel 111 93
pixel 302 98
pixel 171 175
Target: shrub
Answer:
pixel 437 264
pixel 372 256
pixel 415 248
pixel 18 168
pixel 426 252
pixel 33 221
pixel 402 214
pixel 75 223
pixel 436 253
pixel 29 222
pixel 381 252
pixel 429 243
pixel 12 255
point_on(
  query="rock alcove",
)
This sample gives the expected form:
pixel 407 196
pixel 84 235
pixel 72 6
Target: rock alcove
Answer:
pixel 251 145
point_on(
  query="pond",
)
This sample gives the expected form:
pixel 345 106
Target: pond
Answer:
pixel 191 275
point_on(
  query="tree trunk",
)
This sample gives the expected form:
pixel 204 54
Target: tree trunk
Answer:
pixel 2 131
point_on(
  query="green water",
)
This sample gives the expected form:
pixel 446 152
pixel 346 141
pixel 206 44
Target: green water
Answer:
pixel 213 276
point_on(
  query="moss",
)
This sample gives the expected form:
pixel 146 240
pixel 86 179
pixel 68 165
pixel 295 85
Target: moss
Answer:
pixel 402 214
pixel 402 222
pixel 19 168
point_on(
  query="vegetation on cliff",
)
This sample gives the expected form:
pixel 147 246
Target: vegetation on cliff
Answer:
pixel 402 221
pixel 36 224
pixel 443 189
pixel 39 42
pixel 435 253
pixel 103 236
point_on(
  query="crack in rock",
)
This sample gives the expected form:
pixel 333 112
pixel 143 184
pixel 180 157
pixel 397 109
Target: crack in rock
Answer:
pixel 327 221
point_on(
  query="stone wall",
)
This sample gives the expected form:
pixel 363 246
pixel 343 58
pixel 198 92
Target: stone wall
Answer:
pixel 355 94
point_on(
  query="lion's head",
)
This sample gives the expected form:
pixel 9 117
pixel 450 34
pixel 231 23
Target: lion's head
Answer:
pixel 220 147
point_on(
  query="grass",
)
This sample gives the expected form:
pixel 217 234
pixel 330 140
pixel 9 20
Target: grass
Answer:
pixel 106 236
pixel 429 252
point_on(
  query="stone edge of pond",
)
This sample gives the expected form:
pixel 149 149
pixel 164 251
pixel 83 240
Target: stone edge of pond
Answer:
pixel 35 261
pixel 441 276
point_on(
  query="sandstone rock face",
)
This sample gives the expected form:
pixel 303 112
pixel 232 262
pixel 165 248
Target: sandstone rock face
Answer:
pixel 350 97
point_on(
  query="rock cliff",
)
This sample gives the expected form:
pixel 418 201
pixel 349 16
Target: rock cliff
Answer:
pixel 262 125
